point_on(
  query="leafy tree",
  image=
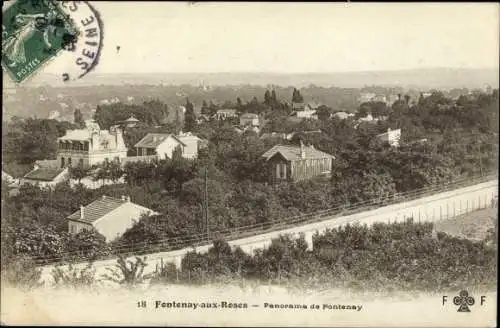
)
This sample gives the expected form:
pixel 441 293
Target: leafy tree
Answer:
pixel 88 244
pixel 323 112
pixel 78 172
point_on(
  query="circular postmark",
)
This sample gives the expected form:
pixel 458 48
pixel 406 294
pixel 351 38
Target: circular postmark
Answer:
pixel 66 34
pixel 83 50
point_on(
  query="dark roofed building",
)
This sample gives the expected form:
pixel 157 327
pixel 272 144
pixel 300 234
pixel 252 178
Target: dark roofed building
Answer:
pixel 292 163
pixel 46 176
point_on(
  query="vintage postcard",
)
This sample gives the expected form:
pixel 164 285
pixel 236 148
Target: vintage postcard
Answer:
pixel 249 164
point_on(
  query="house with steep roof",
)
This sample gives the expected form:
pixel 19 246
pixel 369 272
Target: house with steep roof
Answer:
pixel 111 217
pixel 90 146
pixel 249 119
pixel 46 174
pixel 292 163
pixel 161 145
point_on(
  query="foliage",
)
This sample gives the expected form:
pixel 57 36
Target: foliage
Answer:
pixel 32 139
pixel 74 277
pixel 21 272
pixel 127 272
pixel 88 244
pixel 401 256
pixel 189 117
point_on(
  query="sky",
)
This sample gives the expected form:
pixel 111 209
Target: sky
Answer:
pixel 295 37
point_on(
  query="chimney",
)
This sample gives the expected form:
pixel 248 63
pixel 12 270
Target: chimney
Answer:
pixel 302 150
pixel 81 212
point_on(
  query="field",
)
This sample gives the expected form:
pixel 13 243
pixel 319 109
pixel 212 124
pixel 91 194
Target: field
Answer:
pixel 473 226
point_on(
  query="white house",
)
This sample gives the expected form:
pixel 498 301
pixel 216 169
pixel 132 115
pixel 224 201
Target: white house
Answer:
pixel 191 144
pixel 342 115
pixel 224 114
pixel 249 119
pixel 90 146
pixel 158 144
pixel 163 145
pixel 306 113
pixel 392 137
pixel 110 216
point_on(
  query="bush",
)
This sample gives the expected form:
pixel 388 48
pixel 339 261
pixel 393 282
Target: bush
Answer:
pixel 128 273
pixel 21 273
pixel 74 277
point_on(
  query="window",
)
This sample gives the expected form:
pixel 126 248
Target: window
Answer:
pixel 283 171
pixel 69 161
pixel 80 162
pixel 62 162
pixel 72 228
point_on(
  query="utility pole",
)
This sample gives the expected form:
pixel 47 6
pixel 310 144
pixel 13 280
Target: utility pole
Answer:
pixel 206 203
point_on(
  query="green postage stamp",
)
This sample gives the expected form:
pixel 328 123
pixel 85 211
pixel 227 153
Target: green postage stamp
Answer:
pixel 33 32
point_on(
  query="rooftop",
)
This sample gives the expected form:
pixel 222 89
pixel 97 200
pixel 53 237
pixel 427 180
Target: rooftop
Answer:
pixel 153 140
pixel 292 153
pixel 249 116
pixel 97 209
pixel 44 173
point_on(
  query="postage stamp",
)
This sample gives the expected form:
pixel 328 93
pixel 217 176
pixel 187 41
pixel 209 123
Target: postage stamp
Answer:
pixel 33 32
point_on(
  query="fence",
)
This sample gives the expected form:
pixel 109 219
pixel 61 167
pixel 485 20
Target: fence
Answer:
pixel 203 239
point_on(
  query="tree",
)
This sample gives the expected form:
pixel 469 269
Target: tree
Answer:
pixel 323 112
pixel 88 244
pixel 296 96
pixel 189 117
pixel 267 98
pixel 78 118
pixel 78 172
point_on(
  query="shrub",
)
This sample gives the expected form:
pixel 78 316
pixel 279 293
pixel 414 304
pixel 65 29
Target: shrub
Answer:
pixel 74 277
pixel 21 273
pixel 128 273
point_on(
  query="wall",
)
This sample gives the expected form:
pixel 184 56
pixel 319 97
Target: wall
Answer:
pixel 191 148
pixel 167 147
pixel 115 223
pixel 78 226
pixel 308 168
pixel 431 208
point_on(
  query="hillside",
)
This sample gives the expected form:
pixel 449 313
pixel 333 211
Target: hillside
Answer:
pixel 439 78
